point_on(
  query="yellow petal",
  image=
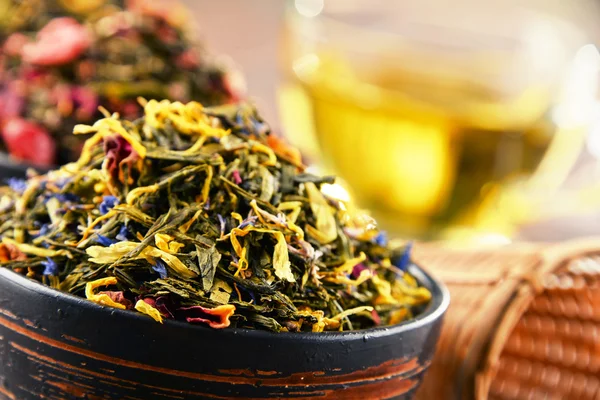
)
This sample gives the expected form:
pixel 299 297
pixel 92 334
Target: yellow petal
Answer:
pixel 110 254
pixel 398 316
pixel 243 262
pixel 316 234
pixel 175 246
pixel 52 206
pixel 206 186
pixel 162 241
pixel 81 129
pixel 281 262
pixel 385 291
pixel 166 243
pixel 294 206
pixel 237 247
pixel 147 309
pixel 36 251
pixel 349 265
pixel 186 118
pixel 261 148
pixel 342 279
pixel 237 217
pixel 352 311
pixel 137 192
pixel 195 147
pixel 102 298
pixel 171 260
pixel 185 227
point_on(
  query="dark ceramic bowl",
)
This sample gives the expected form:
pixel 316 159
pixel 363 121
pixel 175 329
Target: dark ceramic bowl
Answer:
pixel 57 346
pixel 10 168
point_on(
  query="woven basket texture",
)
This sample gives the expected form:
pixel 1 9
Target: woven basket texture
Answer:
pixel 523 322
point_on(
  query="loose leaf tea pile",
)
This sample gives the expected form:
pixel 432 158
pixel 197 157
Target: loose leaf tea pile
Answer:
pixel 202 215
pixel 60 59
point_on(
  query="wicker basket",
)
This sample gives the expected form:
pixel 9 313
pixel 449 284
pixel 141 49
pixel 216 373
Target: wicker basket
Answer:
pixel 524 322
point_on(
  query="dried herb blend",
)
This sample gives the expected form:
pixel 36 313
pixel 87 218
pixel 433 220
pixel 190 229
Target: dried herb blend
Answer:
pixel 60 59
pixel 202 215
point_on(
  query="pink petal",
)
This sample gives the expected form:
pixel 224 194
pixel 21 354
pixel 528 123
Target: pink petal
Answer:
pixel 62 40
pixel 118 297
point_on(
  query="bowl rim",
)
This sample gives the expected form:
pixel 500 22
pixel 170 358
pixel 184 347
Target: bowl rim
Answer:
pixel 13 166
pixel 434 311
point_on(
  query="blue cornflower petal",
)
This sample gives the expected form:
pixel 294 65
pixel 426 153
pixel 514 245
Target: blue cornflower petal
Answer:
pixel 160 267
pixel 248 221
pixel 62 182
pixel 50 267
pixel 45 229
pixel 108 202
pixel 250 293
pixel 381 239
pixel 18 185
pixel 67 198
pixel 404 261
pixel 240 121
pixel 123 232
pixel 259 126
pixel 222 223
pixel 104 241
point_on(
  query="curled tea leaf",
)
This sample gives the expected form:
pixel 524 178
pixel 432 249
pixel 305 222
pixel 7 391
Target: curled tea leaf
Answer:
pixel 208 259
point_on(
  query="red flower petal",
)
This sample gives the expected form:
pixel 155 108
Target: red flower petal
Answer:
pixel 9 252
pixel 188 60
pixel 119 154
pixel 217 318
pixel 376 317
pixel 12 100
pixel 86 100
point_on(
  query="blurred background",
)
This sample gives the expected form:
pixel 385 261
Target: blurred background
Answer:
pixel 454 120
pixel 447 120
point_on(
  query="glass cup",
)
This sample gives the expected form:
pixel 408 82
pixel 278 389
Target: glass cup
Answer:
pixel 440 117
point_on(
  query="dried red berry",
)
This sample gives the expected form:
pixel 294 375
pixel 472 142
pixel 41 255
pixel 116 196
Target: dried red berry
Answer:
pixel 62 40
pixel 28 141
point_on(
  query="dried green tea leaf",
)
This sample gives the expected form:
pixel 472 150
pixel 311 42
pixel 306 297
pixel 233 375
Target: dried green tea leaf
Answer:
pixel 208 259
pixel 220 292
